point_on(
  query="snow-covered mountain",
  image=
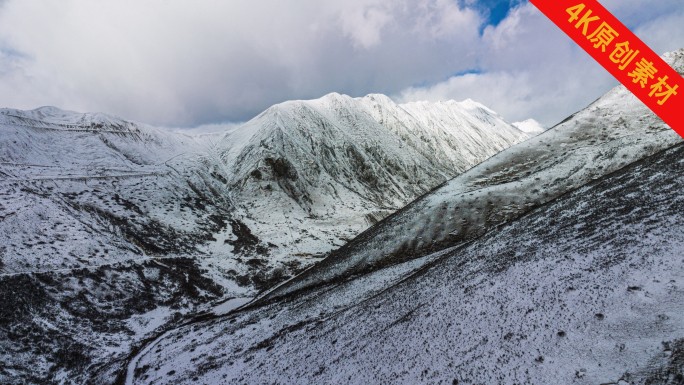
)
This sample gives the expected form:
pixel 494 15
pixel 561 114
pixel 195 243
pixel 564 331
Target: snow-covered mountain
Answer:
pixel 310 175
pixel 612 132
pixel 113 229
pixel 530 126
pixel 301 178
pixel 555 261
pixel 558 261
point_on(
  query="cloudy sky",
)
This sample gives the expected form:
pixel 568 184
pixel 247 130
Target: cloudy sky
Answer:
pixel 206 63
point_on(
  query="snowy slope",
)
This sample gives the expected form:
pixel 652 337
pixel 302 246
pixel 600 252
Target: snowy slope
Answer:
pixel 103 230
pixel 79 194
pixel 530 126
pixel 611 133
pixel 586 289
pixel 57 119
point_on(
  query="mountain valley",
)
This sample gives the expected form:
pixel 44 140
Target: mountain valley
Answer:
pixel 113 230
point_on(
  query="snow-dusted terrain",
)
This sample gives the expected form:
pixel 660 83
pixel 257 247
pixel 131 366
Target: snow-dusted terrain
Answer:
pixel 588 289
pixel 128 252
pixel 558 261
pixel 111 230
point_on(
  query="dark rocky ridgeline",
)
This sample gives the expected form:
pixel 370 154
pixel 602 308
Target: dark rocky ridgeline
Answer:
pixel 75 327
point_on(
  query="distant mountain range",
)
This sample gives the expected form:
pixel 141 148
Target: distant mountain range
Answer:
pixel 299 179
pixel 530 126
pixel 114 228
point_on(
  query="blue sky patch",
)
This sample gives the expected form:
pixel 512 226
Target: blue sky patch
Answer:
pixel 12 53
pixel 494 10
pixel 476 71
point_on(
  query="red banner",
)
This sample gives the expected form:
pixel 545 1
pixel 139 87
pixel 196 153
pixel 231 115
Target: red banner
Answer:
pixel 619 51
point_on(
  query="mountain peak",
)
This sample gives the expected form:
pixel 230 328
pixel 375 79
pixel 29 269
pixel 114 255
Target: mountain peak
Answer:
pixel 471 105
pixel 426 143
pixel 334 97
pixel 675 59
pixel 530 126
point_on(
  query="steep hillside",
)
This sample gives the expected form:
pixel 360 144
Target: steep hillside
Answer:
pixel 101 240
pixel 611 133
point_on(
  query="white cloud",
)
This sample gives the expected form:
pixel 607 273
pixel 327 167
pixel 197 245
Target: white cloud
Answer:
pixel 530 69
pixel 664 34
pixel 176 63
pixel 172 62
pixel 362 22
pixel 442 19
